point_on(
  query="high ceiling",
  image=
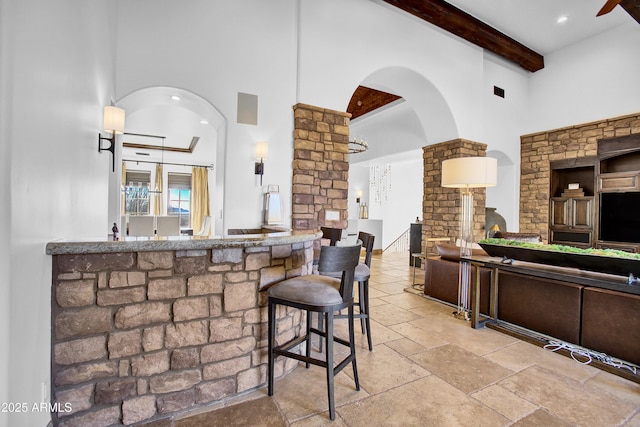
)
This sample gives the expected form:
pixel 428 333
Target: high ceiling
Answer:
pixel 522 32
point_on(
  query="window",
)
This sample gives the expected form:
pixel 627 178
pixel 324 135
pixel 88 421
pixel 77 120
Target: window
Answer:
pixel 137 193
pixel 180 198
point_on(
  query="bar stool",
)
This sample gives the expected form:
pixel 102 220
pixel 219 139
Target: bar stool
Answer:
pixel 334 235
pixel 362 275
pixel 321 294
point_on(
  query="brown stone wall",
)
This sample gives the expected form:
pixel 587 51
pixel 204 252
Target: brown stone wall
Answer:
pixel 143 335
pixel 539 149
pixel 441 206
pixel 320 167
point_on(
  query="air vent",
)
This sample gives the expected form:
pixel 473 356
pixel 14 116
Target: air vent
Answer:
pixel 498 91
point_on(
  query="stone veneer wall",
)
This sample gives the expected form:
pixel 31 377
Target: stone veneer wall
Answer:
pixel 141 336
pixel 441 206
pixel 320 167
pixel 537 150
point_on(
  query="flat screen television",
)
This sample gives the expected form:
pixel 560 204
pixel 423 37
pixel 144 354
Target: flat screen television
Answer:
pixel 620 217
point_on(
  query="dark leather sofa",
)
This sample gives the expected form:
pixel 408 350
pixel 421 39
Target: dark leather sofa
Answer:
pixel 441 276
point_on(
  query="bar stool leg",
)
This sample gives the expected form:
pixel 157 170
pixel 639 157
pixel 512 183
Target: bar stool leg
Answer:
pixel 308 350
pixel 352 347
pixel 365 293
pixel 272 330
pixel 330 373
pixel 361 304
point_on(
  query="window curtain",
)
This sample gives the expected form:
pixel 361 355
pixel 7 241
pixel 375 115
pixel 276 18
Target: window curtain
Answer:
pixel 123 187
pixel 157 208
pixel 199 197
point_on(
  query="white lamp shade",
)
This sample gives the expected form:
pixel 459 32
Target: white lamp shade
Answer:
pixel 113 119
pixel 261 150
pixel 470 172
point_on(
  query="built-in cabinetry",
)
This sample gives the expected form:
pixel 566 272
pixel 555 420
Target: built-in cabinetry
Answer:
pixel 571 208
pixel 594 200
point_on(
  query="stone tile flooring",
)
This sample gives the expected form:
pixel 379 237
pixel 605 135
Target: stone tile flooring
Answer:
pixel 430 369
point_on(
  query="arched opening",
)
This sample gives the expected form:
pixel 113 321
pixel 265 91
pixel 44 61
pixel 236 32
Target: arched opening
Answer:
pixel 388 176
pixel 175 128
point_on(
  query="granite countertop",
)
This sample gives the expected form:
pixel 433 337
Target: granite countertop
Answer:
pixel 177 243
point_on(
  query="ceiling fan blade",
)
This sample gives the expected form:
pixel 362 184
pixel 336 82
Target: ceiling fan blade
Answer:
pixel 608 7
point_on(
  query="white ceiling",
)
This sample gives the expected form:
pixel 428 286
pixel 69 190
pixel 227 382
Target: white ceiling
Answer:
pixel 533 22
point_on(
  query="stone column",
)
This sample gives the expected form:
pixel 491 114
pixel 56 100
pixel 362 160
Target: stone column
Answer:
pixel 320 167
pixel 441 206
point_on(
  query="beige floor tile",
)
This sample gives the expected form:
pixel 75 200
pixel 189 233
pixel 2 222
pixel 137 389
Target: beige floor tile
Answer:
pixel 576 403
pixel 303 392
pixel 389 314
pixel 617 386
pixel 523 354
pixel 462 369
pixel 375 293
pixel 384 278
pixel 505 402
pixel 418 335
pixel 479 341
pixel 633 422
pixel 373 302
pixel 405 346
pixel 261 411
pixel 426 402
pixel 405 300
pixel 385 369
pixel 388 288
pixel 321 420
pixel 541 418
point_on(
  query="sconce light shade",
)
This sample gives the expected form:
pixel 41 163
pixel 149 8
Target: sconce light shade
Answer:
pixel 470 172
pixel 261 153
pixel 113 119
pixel 261 150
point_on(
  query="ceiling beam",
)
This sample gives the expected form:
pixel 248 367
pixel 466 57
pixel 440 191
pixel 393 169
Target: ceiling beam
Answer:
pixel 460 23
pixel 632 7
pixel 365 100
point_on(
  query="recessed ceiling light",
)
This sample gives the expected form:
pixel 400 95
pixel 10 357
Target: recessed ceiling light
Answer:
pixel 204 122
pixel 175 97
pixel 562 19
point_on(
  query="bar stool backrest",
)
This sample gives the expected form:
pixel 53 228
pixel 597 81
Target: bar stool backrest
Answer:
pixel 344 259
pixel 367 243
pixel 333 234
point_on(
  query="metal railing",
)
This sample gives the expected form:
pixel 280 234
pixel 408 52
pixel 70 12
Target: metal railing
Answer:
pixel 401 244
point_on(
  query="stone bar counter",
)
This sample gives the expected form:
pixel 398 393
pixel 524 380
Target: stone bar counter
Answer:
pixel 146 328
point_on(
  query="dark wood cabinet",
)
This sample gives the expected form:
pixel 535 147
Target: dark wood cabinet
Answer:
pixel 571 210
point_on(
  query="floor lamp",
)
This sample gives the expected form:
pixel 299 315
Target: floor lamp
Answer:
pixel 466 173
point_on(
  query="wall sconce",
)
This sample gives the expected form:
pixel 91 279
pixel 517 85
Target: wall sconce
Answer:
pixel 261 153
pixel 113 122
pixel 359 195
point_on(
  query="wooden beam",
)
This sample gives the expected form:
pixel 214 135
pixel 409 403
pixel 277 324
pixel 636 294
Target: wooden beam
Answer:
pixel 365 100
pixel 460 23
pixel 632 7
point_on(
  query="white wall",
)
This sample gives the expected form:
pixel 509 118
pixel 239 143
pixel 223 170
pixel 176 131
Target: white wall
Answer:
pixel 588 81
pixel 216 49
pixel 58 61
pixel 339 53
pixel 5 213
pixel 402 204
